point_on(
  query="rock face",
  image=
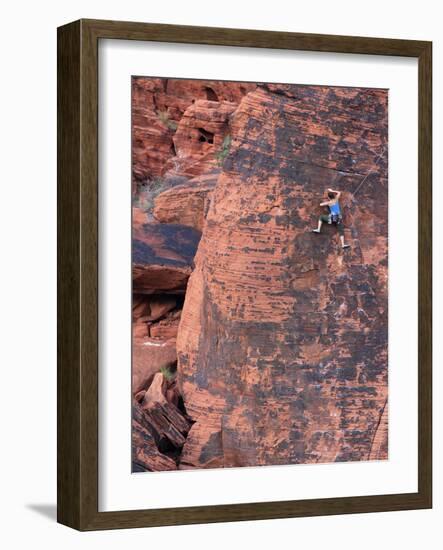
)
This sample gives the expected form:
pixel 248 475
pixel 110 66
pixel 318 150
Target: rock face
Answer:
pixel 168 327
pixel 145 453
pixel 199 137
pixel 149 356
pixel 162 257
pixel 282 344
pixel 179 131
pixel 158 106
pixel 282 340
pixel 188 203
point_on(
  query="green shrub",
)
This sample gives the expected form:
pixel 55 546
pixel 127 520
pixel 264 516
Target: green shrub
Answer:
pixel 224 150
pixel 164 117
pixel 148 191
pixel 151 188
pixel 167 373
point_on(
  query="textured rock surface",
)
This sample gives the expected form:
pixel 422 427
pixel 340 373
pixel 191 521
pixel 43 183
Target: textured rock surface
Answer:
pixel 188 203
pixel 152 308
pixel 283 337
pixel 282 344
pixel 151 278
pixel 146 456
pixel 155 393
pixel 168 327
pixel 158 105
pixel 145 453
pixel 199 137
pixel 139 218
pixel 161 244
pixel 163 417
pixel 162 257
pixel 149 355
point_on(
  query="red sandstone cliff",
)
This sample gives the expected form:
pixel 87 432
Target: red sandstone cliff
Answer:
pixel 282 342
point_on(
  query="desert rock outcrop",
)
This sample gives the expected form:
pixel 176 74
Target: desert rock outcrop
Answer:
pixel 162 257
pixel 279 353
pixel 188 203
pixel 282 345
pixel 158 106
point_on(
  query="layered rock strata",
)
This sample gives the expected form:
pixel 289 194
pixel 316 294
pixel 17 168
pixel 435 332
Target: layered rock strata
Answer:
pixel 282 342
pixel 282 345
pixel 158 107
pixel 188 203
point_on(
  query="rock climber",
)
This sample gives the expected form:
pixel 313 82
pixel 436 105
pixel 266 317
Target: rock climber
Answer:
pixel 334 216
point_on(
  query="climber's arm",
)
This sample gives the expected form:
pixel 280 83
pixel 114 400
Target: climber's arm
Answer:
pixel 326 203
pixel 337 193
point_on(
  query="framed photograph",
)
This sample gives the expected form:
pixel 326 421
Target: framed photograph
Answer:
pixel 244 275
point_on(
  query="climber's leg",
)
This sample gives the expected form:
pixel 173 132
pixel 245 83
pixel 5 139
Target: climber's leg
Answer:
pixel 341 232
pixel 321 219
pixel 320 223
pixel 342 240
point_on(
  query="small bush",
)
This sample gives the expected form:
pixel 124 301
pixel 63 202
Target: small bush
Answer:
pixel 157 185
pixel 148 190
pixel 164 117
pixel 167 373
pixel 224 150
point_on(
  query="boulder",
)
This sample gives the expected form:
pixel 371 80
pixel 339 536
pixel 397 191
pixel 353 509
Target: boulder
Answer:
pixel 166 328
pixel 164 244
pixel 162 418
pixel 153 279
pixel 169 425
pixel 188 203
pixel 145 454
pixel 156 392
pixel 162 257
pixel 149 355
pixel 152 307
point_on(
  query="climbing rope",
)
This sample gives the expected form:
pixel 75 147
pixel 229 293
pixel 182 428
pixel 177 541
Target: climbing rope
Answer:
pixel 370 171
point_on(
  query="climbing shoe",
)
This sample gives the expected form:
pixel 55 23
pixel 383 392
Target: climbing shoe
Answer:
pixel 316 230
pixel 346 246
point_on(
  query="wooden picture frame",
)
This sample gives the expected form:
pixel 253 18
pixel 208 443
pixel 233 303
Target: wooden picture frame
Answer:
pixel 78 274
